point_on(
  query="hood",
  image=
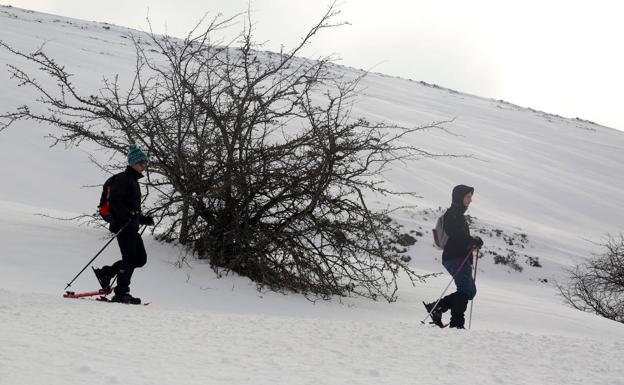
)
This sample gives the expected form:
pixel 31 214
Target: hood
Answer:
pixel 459 192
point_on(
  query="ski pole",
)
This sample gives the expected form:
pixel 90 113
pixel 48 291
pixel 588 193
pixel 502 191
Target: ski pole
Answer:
pixel 97 255
pixel 474 280
pixel 461 266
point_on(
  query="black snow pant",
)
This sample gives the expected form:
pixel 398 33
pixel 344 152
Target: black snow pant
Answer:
pixel 457 302
pixel 133 255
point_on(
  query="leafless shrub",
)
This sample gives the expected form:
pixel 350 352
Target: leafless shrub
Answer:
pixel 256 161
pixel 597 286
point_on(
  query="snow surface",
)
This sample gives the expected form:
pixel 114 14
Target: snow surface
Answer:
pixel 555 180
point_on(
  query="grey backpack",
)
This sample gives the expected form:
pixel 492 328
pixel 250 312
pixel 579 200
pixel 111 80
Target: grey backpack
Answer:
pixel 439 235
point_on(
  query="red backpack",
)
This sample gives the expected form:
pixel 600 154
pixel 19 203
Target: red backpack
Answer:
pixel 104 207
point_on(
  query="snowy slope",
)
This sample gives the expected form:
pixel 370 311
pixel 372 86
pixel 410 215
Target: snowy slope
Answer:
pixel 224 332
pixel 556 180
pixel 54 342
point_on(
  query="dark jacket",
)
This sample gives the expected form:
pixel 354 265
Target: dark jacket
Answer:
pixel 125 200
pixel 456 227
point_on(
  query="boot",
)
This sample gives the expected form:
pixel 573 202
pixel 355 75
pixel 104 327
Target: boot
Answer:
pixel 103 278
pixel 458 308
pixel 126 298
pixel 435 314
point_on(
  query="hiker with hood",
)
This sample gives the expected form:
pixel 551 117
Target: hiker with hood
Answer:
pixel 456 259
pixel 125 207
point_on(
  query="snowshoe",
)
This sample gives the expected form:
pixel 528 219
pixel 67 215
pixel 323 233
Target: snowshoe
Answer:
pixel 102 292
pixel 435 314
pixel 126 298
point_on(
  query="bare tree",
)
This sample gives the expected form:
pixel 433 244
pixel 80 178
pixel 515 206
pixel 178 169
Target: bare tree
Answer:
pixel 598 285
pixel 256 161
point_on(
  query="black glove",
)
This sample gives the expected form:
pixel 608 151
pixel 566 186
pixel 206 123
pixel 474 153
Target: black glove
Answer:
pixel 146 220
pixel 478 242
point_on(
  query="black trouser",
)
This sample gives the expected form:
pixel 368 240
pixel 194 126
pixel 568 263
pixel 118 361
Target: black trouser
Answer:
pixel 133 255
pixel 457 302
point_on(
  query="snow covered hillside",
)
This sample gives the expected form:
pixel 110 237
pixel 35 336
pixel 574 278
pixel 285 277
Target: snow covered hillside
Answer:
pixel 547 191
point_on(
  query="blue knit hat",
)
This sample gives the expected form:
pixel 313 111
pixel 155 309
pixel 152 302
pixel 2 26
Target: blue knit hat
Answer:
pixel 135 155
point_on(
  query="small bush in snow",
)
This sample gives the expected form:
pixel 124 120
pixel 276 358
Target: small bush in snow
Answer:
pixel 533 261
pixel 405 240
pixel 507 260
pixel 597 286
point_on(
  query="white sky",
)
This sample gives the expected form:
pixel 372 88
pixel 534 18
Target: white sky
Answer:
pixel 563 57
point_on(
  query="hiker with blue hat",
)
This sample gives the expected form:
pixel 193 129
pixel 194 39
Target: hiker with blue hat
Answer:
pixel 125 207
